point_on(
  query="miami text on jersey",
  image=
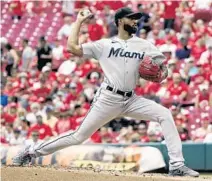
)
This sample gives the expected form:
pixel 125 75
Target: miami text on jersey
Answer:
pixel 121 53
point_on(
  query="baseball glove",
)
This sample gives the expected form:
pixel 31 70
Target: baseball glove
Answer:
pixel 150 71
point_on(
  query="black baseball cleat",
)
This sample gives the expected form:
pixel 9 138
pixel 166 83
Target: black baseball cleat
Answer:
pixel 183 171
pixel 23 157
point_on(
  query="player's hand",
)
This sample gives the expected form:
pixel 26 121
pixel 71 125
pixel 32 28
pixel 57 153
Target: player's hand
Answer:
pixel 83 15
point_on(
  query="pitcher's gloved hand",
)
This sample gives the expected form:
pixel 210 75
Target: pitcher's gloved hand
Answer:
pixel 151 71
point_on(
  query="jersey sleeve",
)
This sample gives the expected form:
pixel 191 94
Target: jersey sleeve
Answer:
pixel 93 49
pixel 155 54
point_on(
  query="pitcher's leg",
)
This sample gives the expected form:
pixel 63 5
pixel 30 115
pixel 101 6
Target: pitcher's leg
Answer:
pixel 141 108
pixel 92 122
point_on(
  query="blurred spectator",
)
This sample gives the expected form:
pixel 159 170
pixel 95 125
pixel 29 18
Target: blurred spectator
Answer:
pixel 12 110
pixel 50 120
pixel 188 70
pixel 77 117
pixel 201 132
pixel 106 137
pixel 17 139
pixel 65 30
pixel 67 67
pixel 142 131
pixel 203 4
pixel 177 89
pixel 172 68
pixel 144 22
pixel 156 33
pixel 208 137
pixel 183 132
pixel 153 137
pixel 142 34
pixel 27 56
pixel 44 130
pixel 183 51
pixel 81 4
pixel 38 7
pixel 8 132
pixel 169 10
pixel 34 139
pixel 5 117
pixel 57 55
pixel 24 127
pixel 95 30
pixel 68 7
pixel 44 53
pixel 16 9
pixel 31 116
pixel 206 57
pixel 64 123
pixel 12 59
pixel 108 18
pixel 3 97
pixel 72 96
pixel 204 95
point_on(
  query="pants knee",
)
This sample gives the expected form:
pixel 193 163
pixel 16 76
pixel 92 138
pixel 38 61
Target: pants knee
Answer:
pixel 165 114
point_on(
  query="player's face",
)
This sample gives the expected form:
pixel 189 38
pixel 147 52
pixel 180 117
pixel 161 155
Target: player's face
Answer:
pixel 130 25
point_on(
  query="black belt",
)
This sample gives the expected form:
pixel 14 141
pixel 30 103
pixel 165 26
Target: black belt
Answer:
pixel 128 94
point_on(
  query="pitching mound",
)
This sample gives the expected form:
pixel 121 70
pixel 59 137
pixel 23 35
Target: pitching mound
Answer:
pixel 52 174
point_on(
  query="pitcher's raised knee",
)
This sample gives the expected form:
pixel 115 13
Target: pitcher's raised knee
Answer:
pixel 164 114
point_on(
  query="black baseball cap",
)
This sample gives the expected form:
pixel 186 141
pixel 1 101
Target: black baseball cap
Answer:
pixel 126 12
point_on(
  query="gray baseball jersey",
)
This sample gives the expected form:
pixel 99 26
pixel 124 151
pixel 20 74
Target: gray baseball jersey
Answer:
pixel 119 60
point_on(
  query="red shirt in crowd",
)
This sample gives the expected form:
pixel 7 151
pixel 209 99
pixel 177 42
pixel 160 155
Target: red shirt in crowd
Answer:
pixel 139 91
pixel 64 125
pixel 95 31
pixel 81 4
pixel 42 92
pixel 203 97
pixel 170 7
pixel 17 8
pixel 151 88
pixel 43 129
pixel 197 51
pixel 76 121
pixel 70 97
pixel 144 139
pixel 114 5
pixel 7 118
pixel 177 90
pixel 96 137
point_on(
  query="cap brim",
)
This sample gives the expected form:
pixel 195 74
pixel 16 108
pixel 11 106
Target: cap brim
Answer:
pixel 134 15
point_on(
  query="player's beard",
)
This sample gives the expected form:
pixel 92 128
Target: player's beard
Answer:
pixel 130 29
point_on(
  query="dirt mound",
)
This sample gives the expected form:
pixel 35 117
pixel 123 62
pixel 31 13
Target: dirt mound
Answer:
pixel 54 174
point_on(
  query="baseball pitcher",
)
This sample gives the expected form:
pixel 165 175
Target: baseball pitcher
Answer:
pixel 122 58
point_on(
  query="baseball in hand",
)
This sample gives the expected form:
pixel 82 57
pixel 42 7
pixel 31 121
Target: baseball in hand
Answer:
pixel 86 12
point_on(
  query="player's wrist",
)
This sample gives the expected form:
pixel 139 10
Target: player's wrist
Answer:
pixel 78 22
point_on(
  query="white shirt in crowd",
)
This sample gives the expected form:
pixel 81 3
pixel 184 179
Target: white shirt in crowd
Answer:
pixel 27 57
pixel 200 4
pixel 57 55
pixel 17 141
pixel 30 142
pixel 67 67
pixel 68 7
pixel 57 52
pixel 64 31
pixel 204 58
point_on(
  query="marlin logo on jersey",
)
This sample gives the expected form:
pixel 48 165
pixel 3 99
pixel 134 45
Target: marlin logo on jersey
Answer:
pixel 121 53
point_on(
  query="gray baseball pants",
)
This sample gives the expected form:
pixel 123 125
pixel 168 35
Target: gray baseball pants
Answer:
pixel 108 105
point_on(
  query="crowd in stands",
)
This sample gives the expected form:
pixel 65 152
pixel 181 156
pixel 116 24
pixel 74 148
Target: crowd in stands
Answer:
pixel 46 91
